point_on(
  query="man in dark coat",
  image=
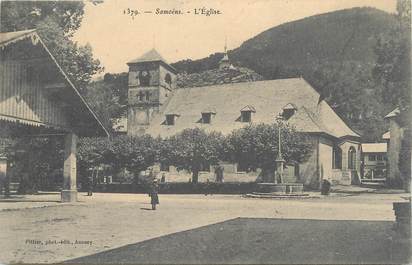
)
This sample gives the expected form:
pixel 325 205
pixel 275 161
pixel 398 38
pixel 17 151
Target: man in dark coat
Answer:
pixel 154 190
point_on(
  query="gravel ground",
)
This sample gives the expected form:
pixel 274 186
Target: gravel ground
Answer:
pixel 107 221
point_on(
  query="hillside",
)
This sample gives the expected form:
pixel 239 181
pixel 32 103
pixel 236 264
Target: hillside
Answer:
pixel 290 48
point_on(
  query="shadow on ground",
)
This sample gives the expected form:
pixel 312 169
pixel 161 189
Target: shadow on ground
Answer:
pixel 270 241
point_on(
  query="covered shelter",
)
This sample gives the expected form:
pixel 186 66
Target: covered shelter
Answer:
pixel 38 98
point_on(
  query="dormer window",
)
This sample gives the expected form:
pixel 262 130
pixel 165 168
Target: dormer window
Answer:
pixel 207 115
pixel 206 118
pixel 288 111
pixel 246 113
pixel 246 116
pixel 171 119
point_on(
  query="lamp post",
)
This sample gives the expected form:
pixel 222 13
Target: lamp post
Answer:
pixel 279 162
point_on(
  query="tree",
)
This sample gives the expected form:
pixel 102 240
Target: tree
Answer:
pixel 353 95
pixel 192 150
pixel 256 146
pixel 120 154
pixel 393 66
pixel 104 102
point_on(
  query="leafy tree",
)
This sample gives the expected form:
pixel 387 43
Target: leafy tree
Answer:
pixel 256 146
pixel 119 85
pixel 353 95
pixel 192 150
pixel 105 102
pixel 21 15
pixel 121 153
pixel 393 65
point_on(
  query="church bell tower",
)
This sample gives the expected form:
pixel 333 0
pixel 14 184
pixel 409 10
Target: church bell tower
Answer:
pixel 151 82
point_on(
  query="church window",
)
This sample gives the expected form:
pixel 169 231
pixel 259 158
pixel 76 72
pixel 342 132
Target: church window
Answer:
pixel 140 95
pixel 168 79
pixel 336 158
pixel 147 95
pixel 351 158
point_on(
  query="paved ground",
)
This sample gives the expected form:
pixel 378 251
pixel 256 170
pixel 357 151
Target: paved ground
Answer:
pixel 49 232
pixel 264 241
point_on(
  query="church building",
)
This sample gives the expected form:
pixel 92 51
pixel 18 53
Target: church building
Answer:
pixel 157 106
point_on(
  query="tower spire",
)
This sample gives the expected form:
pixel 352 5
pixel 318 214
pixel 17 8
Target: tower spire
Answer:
pixel 224 63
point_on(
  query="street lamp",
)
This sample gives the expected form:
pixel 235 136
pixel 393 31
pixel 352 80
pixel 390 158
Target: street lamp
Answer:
pixel 279 161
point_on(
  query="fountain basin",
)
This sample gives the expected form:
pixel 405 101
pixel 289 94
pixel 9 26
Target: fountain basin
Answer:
pixel 282 188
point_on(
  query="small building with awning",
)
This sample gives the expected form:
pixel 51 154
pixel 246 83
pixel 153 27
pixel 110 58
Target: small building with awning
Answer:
pixel 38 98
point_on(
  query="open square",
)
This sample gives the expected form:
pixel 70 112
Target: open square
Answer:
pixel 343 228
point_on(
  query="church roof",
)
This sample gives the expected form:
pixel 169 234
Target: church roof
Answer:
pixel 152 56
pixel 267 98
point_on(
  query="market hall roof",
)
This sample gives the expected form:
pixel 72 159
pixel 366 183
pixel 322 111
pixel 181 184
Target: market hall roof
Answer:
pixel 58 105
pixel 267 98
pixel 10 37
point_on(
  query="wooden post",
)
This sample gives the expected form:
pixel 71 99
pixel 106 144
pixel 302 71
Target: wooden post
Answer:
pixel 69 191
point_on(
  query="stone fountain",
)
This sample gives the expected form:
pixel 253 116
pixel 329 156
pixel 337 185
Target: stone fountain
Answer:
pixel 278 186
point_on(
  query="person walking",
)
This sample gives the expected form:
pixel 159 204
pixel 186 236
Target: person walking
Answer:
pixel 90 185
pixel 154 190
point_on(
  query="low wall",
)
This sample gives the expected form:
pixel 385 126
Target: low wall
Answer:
pixel 181 188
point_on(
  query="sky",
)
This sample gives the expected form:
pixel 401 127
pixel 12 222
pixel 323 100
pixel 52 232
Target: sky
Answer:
pixel 117 36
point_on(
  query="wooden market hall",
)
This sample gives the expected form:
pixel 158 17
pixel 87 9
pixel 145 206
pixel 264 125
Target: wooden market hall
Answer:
pixel 37 99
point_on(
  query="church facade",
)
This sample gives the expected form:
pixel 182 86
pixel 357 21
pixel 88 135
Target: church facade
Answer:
pixel 157 106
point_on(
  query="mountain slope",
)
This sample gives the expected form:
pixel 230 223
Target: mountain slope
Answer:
pixel 290 48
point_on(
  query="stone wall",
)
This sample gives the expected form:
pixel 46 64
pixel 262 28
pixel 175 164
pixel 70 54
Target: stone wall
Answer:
pixel 308 170
pixel 325 158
